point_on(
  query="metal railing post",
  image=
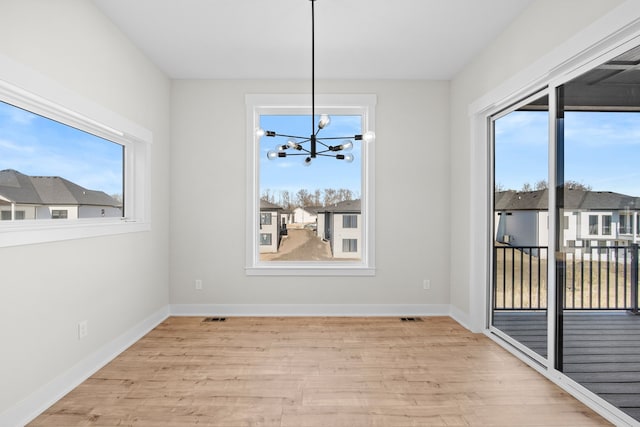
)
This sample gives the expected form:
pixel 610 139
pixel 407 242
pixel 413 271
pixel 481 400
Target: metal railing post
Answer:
pixel 634 278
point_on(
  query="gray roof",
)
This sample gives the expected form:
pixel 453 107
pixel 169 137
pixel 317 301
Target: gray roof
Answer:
pixel 49 190
pixel 573 199
pixel 268 206
pixel 349 206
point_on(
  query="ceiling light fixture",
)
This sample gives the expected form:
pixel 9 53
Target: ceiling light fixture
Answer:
pixel 296 145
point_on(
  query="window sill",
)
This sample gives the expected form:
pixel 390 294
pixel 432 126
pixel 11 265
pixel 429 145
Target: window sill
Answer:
pixel 19 233
pixel 304 269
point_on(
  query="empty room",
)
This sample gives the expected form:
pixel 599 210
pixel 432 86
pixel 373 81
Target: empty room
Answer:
pixel 319 213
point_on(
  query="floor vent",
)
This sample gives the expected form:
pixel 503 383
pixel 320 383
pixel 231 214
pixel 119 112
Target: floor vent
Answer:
pixel 411 319
pixel 214 319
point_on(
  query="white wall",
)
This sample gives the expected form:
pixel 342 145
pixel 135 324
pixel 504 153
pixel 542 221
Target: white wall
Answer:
pixel 543 26
pixel 112 282
pixel 208 164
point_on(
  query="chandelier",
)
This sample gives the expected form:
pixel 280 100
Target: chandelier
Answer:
pixel 313 146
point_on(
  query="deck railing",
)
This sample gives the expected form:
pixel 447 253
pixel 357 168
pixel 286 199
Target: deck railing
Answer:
pixel 602 278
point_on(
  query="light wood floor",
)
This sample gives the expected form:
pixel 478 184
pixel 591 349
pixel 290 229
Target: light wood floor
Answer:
pixel 327 372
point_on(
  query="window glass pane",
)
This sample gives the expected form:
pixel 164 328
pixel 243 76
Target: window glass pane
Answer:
pixel 44 164
pixel 599 113
pixel 606 225
pixel 349 221
pixel 265 239
pixel 593 224
pixel 349 245
pixel 314 204
pixel 520 225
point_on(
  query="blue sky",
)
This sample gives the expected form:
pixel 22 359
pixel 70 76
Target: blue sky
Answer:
pixel 34 145
pixel 290 174
pixel 602 149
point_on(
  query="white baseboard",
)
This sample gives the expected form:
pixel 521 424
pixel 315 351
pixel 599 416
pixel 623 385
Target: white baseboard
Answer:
pixel 36 403
pixel 460 317
pixel 355 310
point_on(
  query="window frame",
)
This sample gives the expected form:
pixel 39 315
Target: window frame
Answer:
pixel 606 224
pixel 594 228
pixel 349 221
pixel 265 218
pixel 23 88
pixel 279 104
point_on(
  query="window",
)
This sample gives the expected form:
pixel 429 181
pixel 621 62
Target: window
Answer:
pixel 311 198
pixel 566 222
pixel 68 146
pixel 606 225
pixel 593 224
pixel 265 218
pixel 59 214
pixel 18 215
pixel 626 226
pixel 349 221
pixel 349 245
pixel 265 239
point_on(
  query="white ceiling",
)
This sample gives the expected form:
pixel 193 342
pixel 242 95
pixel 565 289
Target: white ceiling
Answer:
pixel 363 39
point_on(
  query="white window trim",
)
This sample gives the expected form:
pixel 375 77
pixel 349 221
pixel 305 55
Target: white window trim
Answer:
pixel 257 105
pixel 27 89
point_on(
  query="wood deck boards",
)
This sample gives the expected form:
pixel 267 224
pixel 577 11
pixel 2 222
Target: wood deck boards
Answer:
pixel 307 372
pixel 601 350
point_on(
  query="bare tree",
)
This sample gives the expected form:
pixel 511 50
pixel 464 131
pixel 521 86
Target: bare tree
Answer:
pixel 541 185
pixel 285 199
pixel 575 185
pixel 526 187
pixel 267 195
pixel 303 198
pixel 330 197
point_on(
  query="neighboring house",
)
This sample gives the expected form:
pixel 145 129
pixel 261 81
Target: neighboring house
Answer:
pixel 341 225
pixel 591 219
pixel 25 197
pixel 304 216
pixel 270 220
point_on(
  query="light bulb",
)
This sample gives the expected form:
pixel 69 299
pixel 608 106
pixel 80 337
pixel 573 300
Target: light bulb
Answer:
pixel 272 154
pixel 307 161
pixel 369 136
pixel 259 132
pixel 293 144
pixel 347 145
pixel 280 147
pixel 348 157
pixel 324 121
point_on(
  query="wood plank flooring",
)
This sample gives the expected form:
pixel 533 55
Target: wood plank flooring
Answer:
pixel 306 372
pixel 601 350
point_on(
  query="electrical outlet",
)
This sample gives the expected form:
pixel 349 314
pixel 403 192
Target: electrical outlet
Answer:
pixel 198 284
pixel 426 284
pixel 83 329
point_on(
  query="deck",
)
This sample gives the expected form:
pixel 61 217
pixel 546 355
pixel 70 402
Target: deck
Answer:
pixel 601 350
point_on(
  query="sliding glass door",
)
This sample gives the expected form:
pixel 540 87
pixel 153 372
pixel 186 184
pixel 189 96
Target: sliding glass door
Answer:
pixel 520 224
pixel 598 204
pixel 574 231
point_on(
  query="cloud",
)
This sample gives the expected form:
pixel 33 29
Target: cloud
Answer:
pixel 12 146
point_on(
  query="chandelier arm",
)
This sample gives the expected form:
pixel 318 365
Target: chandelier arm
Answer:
pixel 298 154
pixel 338 137
pixel 303 138
pixel 322 143
pixel 325 155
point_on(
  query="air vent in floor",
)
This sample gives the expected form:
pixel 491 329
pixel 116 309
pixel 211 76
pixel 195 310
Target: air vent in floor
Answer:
pixel 411 319
pixel 214 319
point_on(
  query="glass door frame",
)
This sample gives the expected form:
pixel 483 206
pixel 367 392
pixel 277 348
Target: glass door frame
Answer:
pixel 533 96
pixel 481 114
